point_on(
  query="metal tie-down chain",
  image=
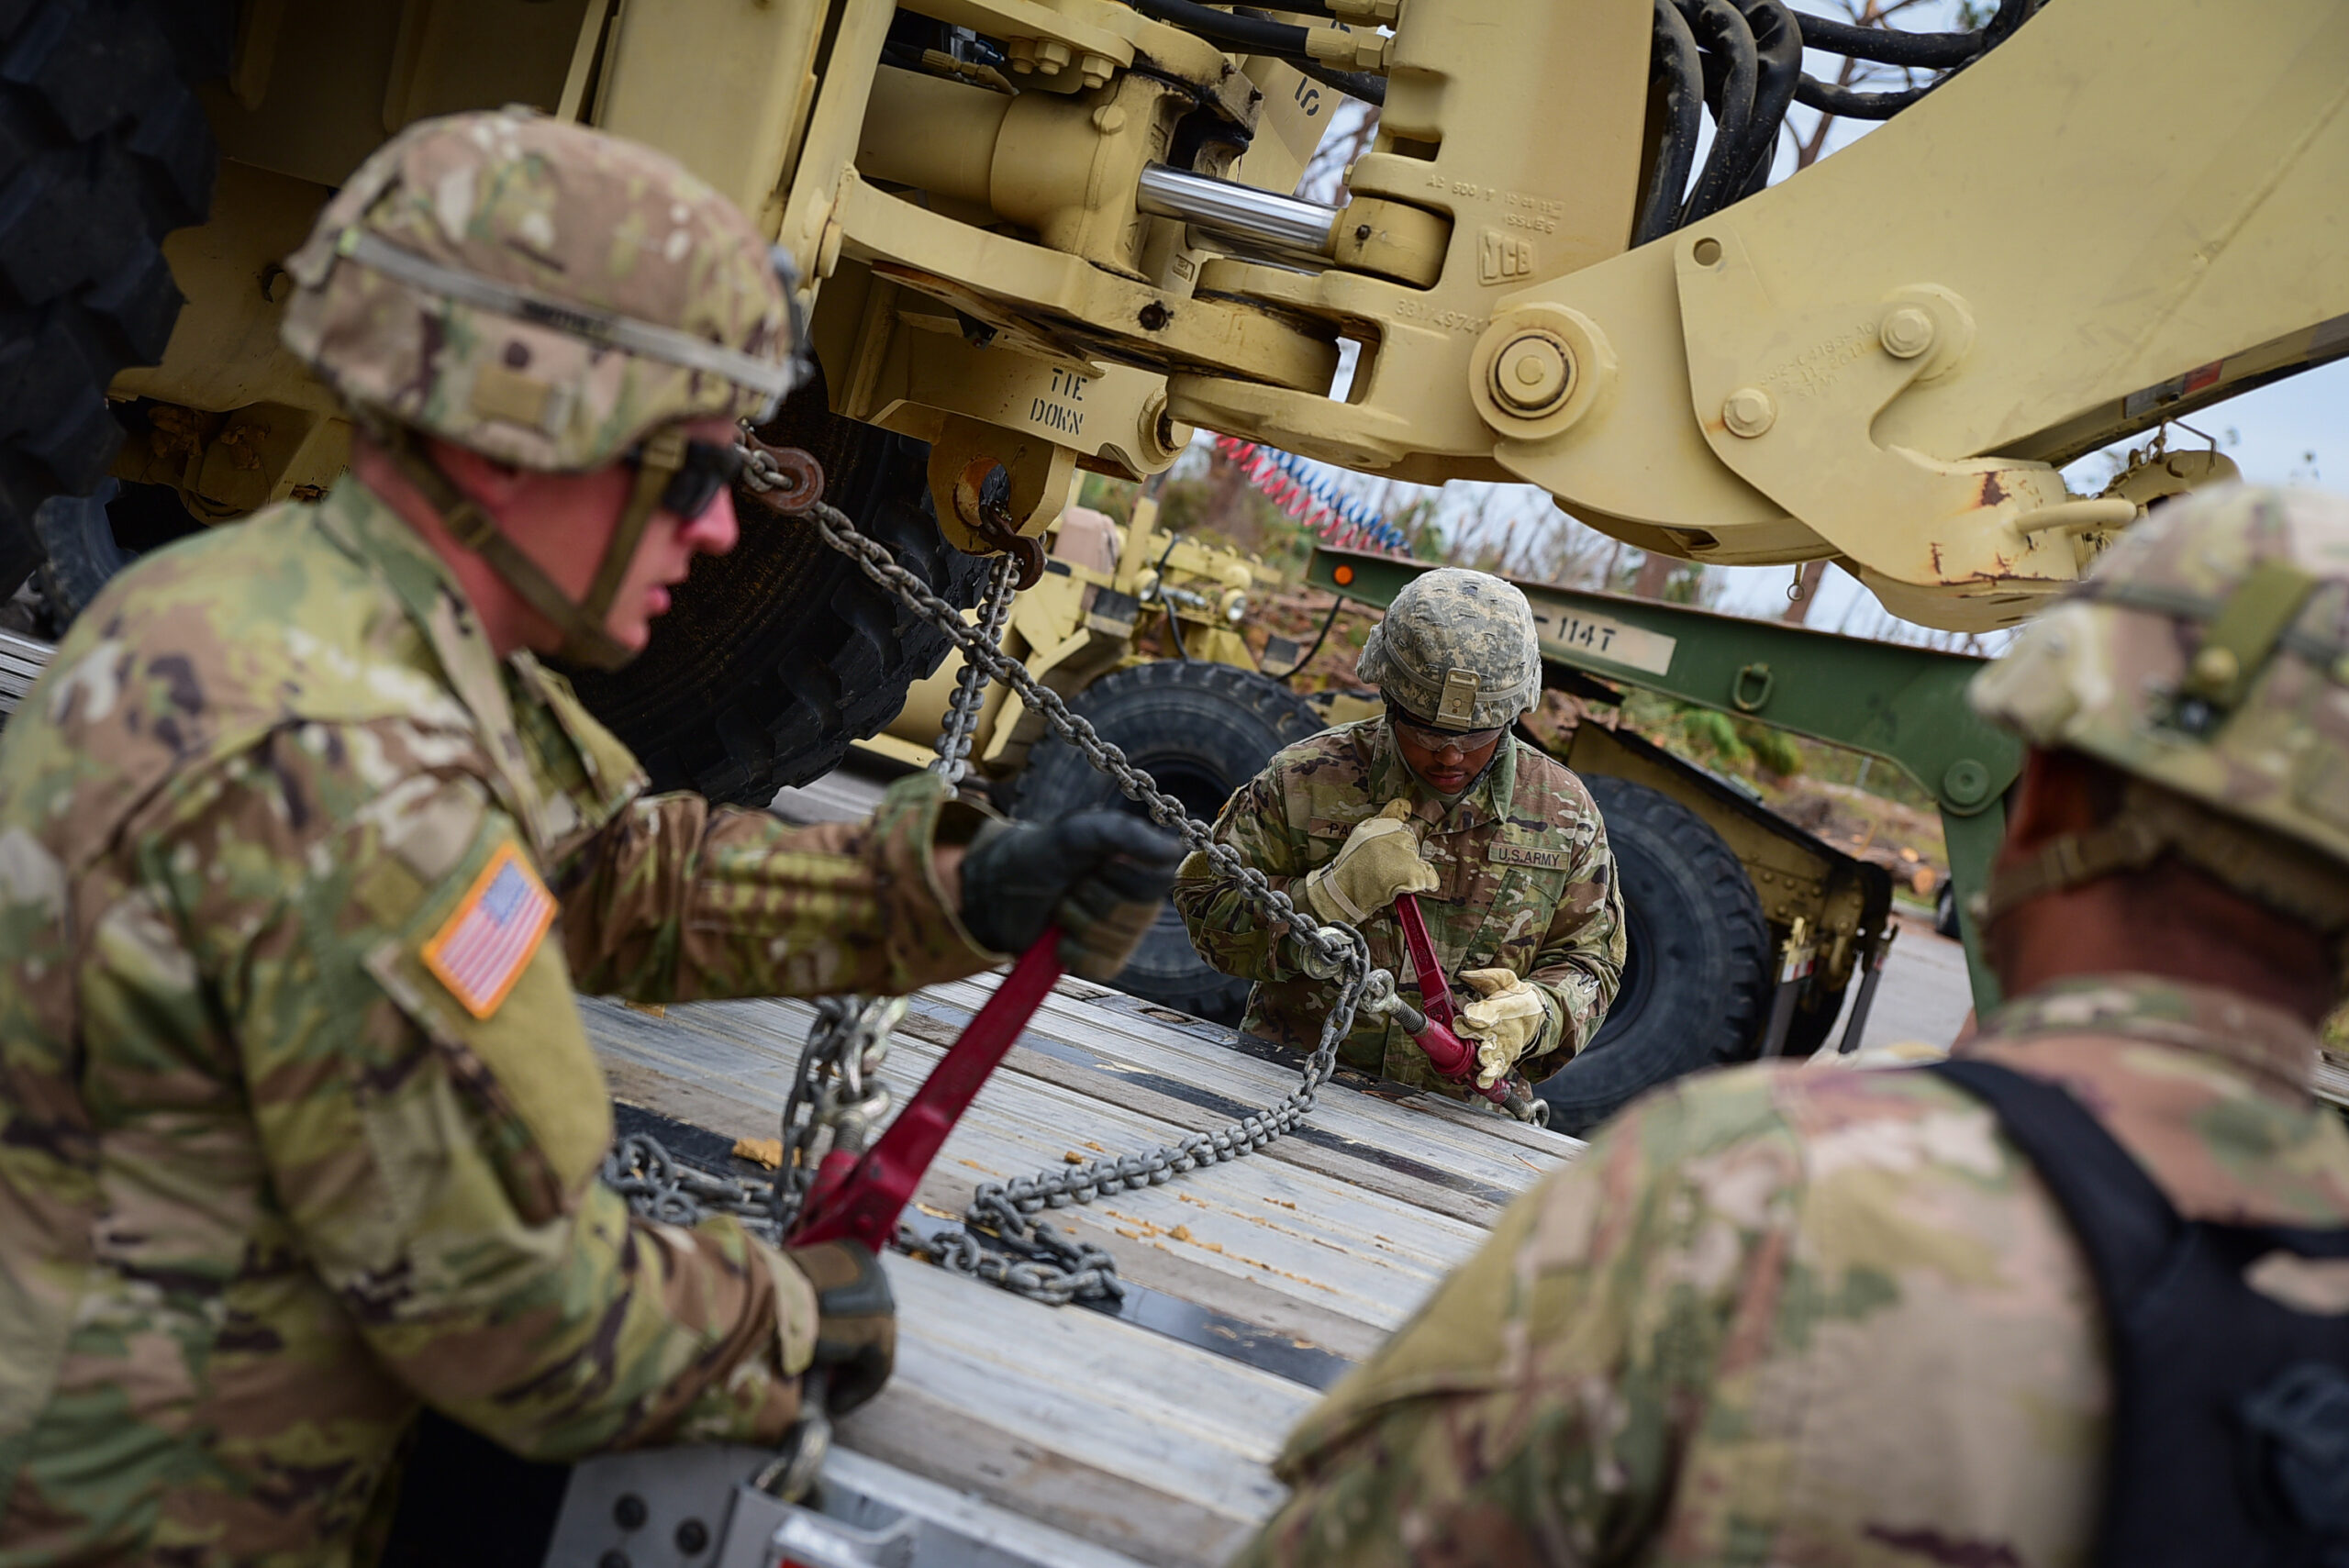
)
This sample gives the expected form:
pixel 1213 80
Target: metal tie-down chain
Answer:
pixel 971 682
pixel 1056 1269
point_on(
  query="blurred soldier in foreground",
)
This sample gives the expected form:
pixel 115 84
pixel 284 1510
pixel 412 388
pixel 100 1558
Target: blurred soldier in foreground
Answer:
pixel 2077 1294
pixel 1437 798
pixel 303 853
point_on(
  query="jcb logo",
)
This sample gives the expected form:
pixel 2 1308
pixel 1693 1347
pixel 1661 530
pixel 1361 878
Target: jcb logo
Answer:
pixel 1502 258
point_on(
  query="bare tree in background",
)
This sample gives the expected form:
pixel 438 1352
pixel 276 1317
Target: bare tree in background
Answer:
pixel 1352 127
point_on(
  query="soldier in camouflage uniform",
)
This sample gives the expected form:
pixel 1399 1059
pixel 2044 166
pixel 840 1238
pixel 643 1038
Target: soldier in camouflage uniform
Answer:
pixel 1835 1318
pixel 303 855
pixel 1502 845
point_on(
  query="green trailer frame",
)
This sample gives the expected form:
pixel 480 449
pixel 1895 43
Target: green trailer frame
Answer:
pixel 1904 705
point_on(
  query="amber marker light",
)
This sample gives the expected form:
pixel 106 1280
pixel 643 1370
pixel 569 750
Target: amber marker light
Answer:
pixel 1342 575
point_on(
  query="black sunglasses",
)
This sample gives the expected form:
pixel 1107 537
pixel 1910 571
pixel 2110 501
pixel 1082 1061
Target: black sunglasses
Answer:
pixel 1436 740
pixel 709 468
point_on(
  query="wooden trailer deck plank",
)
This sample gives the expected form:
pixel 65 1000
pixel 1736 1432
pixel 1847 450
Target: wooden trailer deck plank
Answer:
pixel 1362 1253
pixel 1113 1433
pixel 1141 1443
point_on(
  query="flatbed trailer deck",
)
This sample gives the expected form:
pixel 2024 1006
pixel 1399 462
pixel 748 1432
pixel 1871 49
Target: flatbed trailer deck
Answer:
pixel 1072 1434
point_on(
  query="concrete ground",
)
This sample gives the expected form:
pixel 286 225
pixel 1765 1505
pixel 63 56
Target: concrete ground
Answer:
pixel 1923 997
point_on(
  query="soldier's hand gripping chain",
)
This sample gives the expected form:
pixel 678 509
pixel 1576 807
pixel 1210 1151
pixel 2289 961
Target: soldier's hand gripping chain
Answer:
pixel 1505 1023
pixel 1100 876
pixel 1379 860
pixel 856 1321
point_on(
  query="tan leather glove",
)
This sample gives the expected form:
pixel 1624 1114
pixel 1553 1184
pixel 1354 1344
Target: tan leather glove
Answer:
pixel 1379 858
pixel 1505 1021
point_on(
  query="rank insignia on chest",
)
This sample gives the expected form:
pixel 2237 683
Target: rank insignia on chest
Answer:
pixel 486 943
pixel 1528 855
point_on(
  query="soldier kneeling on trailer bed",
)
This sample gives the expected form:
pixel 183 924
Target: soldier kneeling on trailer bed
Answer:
pixel 303 853
pixel 1436 798
pixel 2080 1294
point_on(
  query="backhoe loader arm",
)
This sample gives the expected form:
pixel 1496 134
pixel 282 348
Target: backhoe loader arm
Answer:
pixel 1049 234
pixel 2125 209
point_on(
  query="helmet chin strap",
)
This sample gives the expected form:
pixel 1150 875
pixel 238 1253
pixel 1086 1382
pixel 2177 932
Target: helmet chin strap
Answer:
pixel 580 622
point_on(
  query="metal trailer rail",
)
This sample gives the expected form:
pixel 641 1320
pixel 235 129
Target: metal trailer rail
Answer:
pixel 22 658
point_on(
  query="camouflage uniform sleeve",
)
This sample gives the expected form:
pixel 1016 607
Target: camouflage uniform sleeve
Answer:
pixel 1580 962
pixel 434 1133
pixel 1224 925
pixel 678 900
pixel 1539 1407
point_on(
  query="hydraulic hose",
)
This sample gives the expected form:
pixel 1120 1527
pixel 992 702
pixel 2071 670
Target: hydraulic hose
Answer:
pixel 1825 96
pixel 1360 85
pixel 1246 31
pixel 1946 53
pixel 1930 51
pixel 1730 43
pixel 1251 35
pixel 1683 107
pixel 1174 625
pixel 1778 49
pixel 1337 603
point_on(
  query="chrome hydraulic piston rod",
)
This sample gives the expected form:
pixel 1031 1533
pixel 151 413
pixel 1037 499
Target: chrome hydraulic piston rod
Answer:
pixel 1235 211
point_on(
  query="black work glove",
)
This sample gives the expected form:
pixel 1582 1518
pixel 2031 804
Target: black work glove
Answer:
pixel 856 1320
pixel 1098 875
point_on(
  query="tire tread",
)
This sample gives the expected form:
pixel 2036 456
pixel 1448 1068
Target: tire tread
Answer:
pixel 1679 1031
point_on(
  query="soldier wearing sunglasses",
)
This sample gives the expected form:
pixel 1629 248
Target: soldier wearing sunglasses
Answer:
pixel 303 855
pixel 1500 843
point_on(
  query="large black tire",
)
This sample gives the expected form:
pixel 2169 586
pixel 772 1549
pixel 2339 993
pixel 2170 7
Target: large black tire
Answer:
pixel 1201 730
pixel 104 149
pixel 774 659
pixel 1696 974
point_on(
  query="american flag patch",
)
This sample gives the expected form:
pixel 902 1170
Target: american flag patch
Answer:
pixel 487 944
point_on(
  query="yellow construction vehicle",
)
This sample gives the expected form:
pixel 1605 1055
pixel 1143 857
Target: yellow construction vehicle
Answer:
pixel 1045 235
pixel 1103 587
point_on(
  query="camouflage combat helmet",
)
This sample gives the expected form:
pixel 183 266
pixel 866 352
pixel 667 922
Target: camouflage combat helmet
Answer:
pixel 2207 657
pixel 1456 649
pixel 552 297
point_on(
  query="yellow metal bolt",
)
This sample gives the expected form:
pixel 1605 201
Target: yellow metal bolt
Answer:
pixel 1749 411
pixel 1096 70
pixel 1108 120
pixel 1023 55
pixel 1051 56
pixel 1530 375
pixel 1906 333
